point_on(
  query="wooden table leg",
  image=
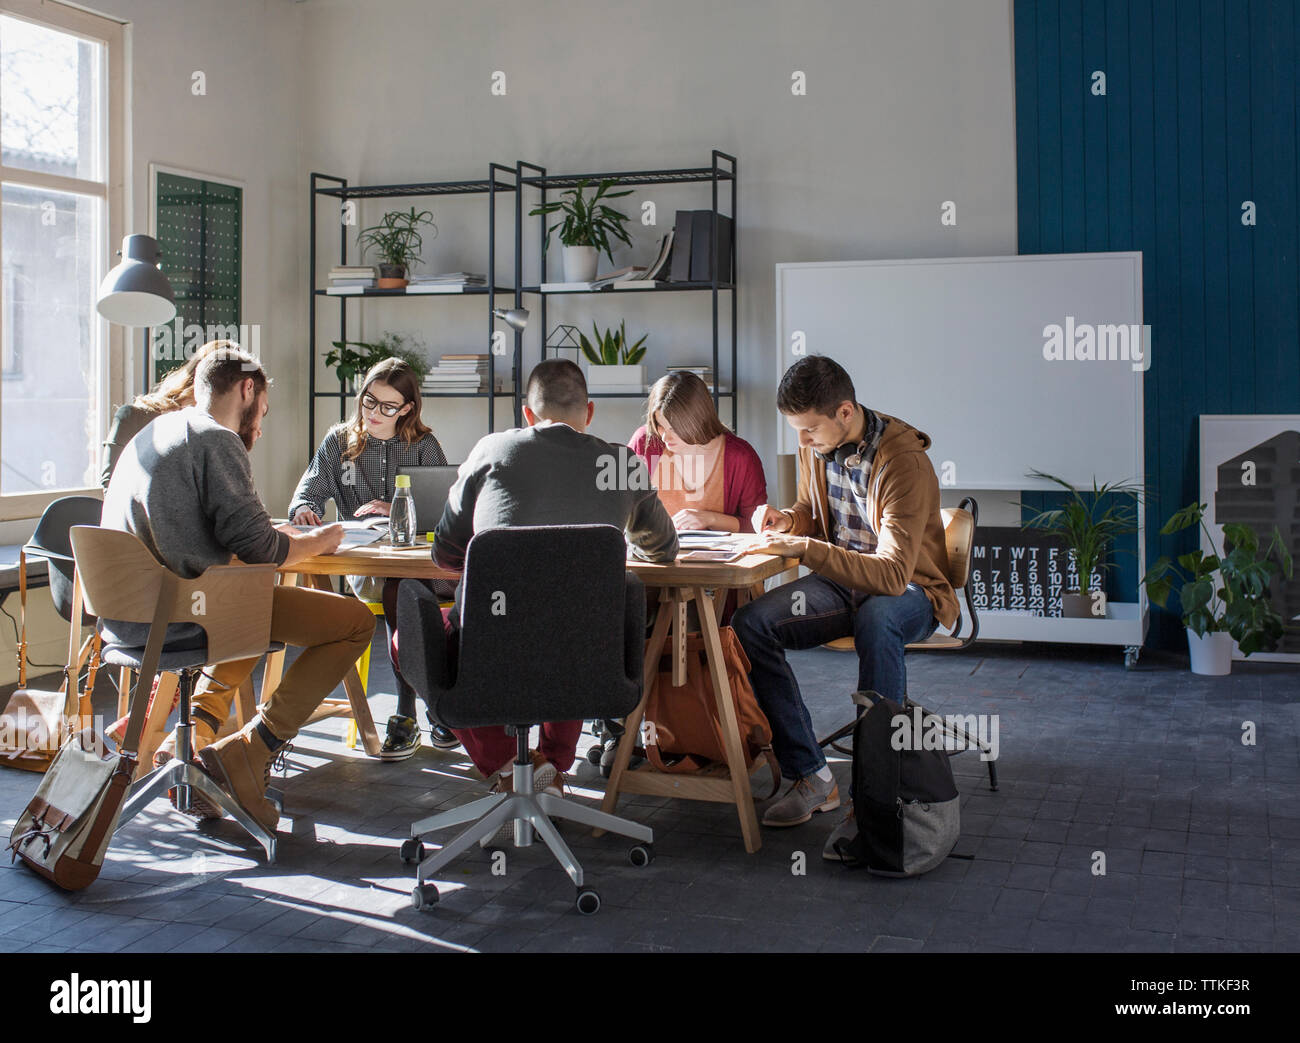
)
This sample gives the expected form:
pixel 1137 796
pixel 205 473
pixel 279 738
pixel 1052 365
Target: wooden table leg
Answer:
pixel 632 725
pixel 356 692
pixel 730 728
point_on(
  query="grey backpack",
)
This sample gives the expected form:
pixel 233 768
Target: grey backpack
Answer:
pixel 905 802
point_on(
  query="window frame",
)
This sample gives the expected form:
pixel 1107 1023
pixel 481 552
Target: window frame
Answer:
pixel 111 378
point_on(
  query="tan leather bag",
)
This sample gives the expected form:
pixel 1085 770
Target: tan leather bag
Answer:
pixel 64 830
pixel 36 724
pixel 683 730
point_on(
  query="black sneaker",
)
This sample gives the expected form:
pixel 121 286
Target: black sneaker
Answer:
pixel 440 736
pixel 402 740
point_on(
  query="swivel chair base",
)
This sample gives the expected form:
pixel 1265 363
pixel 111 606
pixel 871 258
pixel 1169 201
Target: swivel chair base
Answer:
pixel 528 811
pixel 182 774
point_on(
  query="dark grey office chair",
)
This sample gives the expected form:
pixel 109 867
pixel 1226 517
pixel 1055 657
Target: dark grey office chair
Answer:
pixel 553 629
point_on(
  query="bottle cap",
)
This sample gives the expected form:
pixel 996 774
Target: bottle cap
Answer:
pixel 403 481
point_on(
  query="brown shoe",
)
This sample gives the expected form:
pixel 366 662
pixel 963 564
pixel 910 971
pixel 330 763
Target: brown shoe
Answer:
pixel 239 763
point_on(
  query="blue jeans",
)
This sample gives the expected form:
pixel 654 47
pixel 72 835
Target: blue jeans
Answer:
pixel 807 613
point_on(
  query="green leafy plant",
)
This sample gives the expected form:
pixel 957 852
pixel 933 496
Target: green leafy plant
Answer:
pixel 1241 605
pixel 587 222
pixel 611 347
pixel 1086 532
pixel 352 359
pixel 397 239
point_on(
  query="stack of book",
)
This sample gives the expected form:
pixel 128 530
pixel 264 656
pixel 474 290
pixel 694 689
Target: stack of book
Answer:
pixel 351 278
pixel 448 282
pixel 464 374
pixel 705 373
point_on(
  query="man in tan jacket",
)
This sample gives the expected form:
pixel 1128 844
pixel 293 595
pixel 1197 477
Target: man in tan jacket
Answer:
pixel 866 522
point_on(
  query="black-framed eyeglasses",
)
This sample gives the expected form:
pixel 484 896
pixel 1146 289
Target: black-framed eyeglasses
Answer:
pixel 368 401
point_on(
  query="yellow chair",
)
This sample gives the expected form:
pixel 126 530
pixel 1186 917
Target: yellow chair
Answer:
pixel 363 671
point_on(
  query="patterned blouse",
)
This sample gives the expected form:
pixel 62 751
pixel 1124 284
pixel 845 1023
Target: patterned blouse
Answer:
pixel 370 476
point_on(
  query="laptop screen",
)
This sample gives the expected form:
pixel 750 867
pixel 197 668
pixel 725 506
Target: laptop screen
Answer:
pixel 430 487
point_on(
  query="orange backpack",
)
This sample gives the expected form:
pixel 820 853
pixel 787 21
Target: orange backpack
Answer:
pixel 682 729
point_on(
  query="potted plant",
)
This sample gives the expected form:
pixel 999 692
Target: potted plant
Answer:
pixel 1240 609
pixel 586 229
pixel 611 360
pixel 352 359
pixel 397 241
pixel 1088 535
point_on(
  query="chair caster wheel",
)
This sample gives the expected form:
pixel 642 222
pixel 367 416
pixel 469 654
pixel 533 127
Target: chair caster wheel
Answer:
pixel 641 855
pixel 412 851
pixel 594 754
pixel 424 897
pixel 588 901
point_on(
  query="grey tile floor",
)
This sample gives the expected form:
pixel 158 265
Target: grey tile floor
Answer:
pixel 1200 835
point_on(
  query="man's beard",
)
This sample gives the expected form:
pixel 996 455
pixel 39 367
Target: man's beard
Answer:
pixel 248 424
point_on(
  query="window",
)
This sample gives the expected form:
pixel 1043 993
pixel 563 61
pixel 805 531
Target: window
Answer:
pixel 60 163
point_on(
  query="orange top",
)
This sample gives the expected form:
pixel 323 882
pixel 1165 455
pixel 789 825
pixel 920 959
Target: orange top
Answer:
pixel 692 482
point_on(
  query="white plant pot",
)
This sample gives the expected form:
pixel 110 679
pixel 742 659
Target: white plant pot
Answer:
pixel 580 263
pixel 1211 654
pixel 618 378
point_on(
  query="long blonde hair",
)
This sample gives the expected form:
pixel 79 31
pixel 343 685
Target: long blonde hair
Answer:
pixel 410 427
pixel 178 385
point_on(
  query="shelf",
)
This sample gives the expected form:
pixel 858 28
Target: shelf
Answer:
pixel 421 188
pixel 640 394
pixel 668 287
pixel 468 291
pixel 687 175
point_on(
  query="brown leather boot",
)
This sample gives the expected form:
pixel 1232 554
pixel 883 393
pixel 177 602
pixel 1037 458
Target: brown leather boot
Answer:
pixel 239 763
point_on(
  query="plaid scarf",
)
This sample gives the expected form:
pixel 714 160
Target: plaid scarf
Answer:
pixel 846 490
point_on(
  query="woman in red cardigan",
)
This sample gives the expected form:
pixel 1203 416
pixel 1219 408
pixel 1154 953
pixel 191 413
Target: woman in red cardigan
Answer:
pixel 707 477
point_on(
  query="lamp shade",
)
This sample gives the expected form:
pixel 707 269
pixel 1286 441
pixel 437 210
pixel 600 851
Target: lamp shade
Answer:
pixel 515 318
pixel 135 292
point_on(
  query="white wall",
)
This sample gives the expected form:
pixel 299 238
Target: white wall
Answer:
pixel 909 104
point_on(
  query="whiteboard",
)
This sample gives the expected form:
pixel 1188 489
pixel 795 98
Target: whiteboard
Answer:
pixel 955 347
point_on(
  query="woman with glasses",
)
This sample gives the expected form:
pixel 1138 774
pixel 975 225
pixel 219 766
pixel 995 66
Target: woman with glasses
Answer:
pixel 356 467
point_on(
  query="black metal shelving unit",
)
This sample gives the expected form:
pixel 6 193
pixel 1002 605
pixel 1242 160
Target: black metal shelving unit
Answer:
pixel 721 171
pixel 338 188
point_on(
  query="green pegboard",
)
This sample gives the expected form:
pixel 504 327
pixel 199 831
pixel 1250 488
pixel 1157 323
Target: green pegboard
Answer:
pixel 198 230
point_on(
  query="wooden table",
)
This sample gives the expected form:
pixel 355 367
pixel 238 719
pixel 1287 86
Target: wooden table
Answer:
pixel 679 583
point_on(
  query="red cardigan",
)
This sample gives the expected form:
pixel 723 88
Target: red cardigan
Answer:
pixel 743 486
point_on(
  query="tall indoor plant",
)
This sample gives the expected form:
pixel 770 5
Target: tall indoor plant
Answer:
pixel 397 242
pixel 1240 609
pixel 587 227
pixel 1089 533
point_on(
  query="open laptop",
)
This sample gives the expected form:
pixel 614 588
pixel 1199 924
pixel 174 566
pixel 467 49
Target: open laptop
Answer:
pixel 430 487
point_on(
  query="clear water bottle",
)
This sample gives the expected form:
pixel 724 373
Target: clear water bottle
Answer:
pixel 401 517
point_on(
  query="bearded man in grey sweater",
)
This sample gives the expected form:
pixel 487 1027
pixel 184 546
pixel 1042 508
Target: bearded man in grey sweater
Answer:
pixel 184 486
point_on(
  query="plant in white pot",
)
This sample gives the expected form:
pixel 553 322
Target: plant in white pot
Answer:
pixel 586 229
pixel 1088 535
pixel 612 363
pixel 1239 610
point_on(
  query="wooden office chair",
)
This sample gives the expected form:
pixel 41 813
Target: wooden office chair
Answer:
pixel 232 603
pixel 959 524
pixel 554 630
